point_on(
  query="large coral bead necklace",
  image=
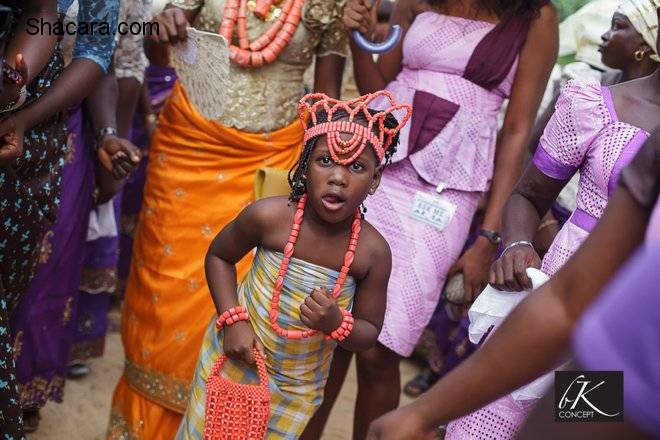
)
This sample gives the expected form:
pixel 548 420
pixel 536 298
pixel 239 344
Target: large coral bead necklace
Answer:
pixel 271 43
pixel 284 266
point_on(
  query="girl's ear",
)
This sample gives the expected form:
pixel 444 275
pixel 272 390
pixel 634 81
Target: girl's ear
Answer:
pixel 375 181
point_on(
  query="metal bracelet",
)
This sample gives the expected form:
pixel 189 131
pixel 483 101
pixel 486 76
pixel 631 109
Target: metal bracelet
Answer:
pixel 105 131
pixel 20 100
pixel 516 243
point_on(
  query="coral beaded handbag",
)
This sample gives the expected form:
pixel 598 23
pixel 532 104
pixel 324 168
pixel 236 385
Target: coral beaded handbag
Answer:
pixel 236 411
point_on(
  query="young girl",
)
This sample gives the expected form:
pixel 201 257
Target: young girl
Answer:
pixel 334 264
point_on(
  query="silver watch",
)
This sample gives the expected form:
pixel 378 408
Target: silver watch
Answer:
pixel 106 131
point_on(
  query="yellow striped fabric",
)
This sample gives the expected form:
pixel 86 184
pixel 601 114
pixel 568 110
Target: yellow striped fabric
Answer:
pixel 297 369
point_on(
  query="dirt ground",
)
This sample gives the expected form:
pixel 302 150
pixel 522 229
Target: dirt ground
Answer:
pixel 84 413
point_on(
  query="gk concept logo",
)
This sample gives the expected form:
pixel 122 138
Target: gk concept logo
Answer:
pixel 588 396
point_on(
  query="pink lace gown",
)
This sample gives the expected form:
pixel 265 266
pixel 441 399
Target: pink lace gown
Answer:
pixel 449 143
pixel 584 134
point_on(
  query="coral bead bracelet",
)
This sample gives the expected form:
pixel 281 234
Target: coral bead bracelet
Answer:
pixel 231 316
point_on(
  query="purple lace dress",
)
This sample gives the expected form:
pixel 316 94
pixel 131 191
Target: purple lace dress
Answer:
pixel 456 74
pixel 584 134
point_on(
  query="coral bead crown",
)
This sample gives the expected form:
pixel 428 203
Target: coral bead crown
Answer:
pixel 356 114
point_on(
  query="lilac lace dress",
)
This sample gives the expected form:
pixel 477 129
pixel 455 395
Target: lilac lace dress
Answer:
pixel 584 134
pixel 456 74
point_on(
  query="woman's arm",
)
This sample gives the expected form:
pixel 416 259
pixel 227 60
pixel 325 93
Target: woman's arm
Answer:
pixel 328 74
pixel 540 124
pixel 68 90
pixel 371 76
pixel 541 423
pixel 536 60
pixel 530 200
pixel 28 40
pixel 117 155
pixel 537 331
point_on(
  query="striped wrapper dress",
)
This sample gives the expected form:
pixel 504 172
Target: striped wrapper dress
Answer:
pixel 297 369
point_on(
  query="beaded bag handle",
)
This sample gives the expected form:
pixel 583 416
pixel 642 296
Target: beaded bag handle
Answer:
pixel 261 368
pixel 234 410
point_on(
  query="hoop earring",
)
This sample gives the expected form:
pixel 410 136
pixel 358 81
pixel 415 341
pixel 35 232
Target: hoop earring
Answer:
pixel 639 55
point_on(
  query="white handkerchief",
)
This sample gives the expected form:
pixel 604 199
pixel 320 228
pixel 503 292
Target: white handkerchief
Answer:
pixel 489 310
pixel 102 222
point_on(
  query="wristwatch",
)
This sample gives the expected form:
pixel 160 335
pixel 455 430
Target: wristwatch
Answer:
pixel 105 131
pixel 494 237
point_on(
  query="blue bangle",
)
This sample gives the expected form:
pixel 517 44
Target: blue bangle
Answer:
pixel 369 46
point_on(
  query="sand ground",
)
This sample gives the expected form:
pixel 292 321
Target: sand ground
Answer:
pixel 84 413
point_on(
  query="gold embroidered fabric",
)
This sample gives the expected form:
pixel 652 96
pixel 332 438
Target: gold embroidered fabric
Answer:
pixel 82 351
pixel 265 99
pixel 39 389
pixel 98 280
pixel 119 429
pixel 167 391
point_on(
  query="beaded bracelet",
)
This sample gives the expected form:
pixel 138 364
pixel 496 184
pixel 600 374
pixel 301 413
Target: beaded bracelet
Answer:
pixel 344 329
pixel 231 316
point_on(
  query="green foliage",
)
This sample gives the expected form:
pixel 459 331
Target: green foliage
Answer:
pixel 567 7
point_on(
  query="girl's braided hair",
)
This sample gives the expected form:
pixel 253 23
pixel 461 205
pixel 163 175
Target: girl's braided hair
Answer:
pixel 298 173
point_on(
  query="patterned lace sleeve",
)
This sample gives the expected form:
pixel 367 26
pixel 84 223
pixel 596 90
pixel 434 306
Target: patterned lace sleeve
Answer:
pixel 642 176
pixel 187 4
pixel 129 59
pixel 334 39
pixel 579 116
pixel 97 23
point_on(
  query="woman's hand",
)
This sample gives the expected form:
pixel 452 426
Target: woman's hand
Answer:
pixel 118 155
pixel 240 341
pixel 361 15
pixel 474 265
pixel 171 25
pixel 320 311
pixel 509 272
pixel 12 129
pixel 402 424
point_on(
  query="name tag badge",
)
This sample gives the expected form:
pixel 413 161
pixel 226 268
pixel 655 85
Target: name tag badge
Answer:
pixel 432 209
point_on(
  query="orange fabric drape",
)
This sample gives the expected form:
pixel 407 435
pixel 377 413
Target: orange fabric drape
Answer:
pixel 200 176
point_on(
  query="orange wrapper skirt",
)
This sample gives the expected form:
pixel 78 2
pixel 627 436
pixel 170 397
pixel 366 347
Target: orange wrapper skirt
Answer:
pixel 200 176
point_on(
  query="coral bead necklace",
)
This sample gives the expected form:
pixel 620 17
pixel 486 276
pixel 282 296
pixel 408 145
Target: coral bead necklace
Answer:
pixel 271 43
pixel 288 253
